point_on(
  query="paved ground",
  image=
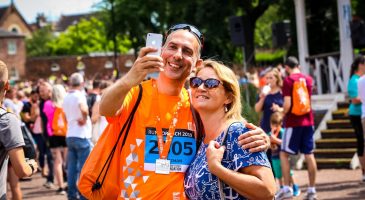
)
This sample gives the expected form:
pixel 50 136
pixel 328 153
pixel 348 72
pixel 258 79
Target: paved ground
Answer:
pixel 332 185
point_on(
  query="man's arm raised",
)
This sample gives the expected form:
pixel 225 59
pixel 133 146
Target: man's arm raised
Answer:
pixel 113 97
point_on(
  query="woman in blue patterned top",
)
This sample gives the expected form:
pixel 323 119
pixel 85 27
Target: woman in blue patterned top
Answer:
pixel 221 168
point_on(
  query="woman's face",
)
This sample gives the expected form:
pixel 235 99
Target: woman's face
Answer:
pixel 271 79
pixel 209 99
pixel 362 68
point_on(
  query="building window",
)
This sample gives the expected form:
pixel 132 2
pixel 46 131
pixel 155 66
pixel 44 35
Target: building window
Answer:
pixel 14 30
pixel 11 47
pixel 55 67
pixel 14 74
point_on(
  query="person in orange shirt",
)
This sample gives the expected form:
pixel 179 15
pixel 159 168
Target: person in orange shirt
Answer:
pixel 153 168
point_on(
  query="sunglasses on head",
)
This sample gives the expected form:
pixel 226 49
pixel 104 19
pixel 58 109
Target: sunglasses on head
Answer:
pixel 188 27
pixel 209 83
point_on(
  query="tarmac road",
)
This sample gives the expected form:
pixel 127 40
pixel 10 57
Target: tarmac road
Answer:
pixel 332 184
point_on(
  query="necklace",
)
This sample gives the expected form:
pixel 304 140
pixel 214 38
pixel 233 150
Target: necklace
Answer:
pixel 163 164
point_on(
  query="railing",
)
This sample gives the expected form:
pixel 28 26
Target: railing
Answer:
pixel 326 69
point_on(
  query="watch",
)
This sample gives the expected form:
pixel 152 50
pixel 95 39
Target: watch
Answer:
pixel 32 167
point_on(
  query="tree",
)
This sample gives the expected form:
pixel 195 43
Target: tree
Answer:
pixel 37 45
pixel 85 37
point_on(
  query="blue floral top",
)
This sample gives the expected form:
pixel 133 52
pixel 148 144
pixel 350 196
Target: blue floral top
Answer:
pixel 201 184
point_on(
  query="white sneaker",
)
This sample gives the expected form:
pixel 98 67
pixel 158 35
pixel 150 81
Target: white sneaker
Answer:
pixel 49 185
pixel 310 196
pixel 284 194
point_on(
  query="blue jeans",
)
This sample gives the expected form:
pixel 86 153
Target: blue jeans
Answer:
pixel 78 151
pixel 43 149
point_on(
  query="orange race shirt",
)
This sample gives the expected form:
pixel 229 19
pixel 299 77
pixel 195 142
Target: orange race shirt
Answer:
pixel 139 154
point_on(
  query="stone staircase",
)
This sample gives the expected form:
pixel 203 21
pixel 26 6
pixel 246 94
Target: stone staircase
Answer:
pixel 337 146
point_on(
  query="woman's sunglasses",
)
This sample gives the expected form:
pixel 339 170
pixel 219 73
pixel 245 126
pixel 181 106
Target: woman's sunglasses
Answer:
pixel 209 83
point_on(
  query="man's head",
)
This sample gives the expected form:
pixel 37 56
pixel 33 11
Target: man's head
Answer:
pixel 181 51
pixel 4 83
pixel 291 63
pixel 45 90
pixel 76 80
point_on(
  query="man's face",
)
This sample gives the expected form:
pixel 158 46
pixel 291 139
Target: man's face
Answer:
pixel 34 97
pixel 180 55
pixel 44 92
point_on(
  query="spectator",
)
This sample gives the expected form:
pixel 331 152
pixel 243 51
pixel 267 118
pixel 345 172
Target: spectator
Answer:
pixel 78 138
pixel 45 92
pixel 57 143
pixel 361 84
pixel 298 136
pixel 99 122
pixel 270 100
pixel 93 95
pixel 357 70
pixel 276 135
pixel 11 141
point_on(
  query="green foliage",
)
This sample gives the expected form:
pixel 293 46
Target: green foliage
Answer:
pixel 85 37
pixel 358 8
pixel 248 108
pixel 37 45
pixel 136 18
pixel 271 57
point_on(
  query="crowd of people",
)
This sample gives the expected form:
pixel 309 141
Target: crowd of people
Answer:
pixel 60 153
pixel 183 143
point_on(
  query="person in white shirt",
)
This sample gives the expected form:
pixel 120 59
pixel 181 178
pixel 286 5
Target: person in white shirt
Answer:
pixel 78 137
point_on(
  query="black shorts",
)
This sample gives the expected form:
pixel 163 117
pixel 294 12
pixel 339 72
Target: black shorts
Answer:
pixel 57 141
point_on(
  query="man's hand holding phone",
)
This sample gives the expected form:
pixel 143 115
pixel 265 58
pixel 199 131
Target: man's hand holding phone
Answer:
pixel 148 61
pixel 154 40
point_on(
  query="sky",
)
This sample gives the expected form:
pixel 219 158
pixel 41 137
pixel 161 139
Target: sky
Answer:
pixel 52 9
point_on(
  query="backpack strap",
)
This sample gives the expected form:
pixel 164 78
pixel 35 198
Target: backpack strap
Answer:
pixel 3 112
pixel 97 185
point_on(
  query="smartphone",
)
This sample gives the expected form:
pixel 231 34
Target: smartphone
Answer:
pixel 154 40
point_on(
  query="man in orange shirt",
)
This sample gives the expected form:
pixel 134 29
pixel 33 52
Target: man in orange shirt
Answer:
pixel 151 167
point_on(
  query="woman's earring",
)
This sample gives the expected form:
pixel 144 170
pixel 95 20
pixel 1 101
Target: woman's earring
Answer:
pixel 225 108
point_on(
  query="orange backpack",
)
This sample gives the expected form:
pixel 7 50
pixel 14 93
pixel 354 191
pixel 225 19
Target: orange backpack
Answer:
pixel 301 101
pixel 59 123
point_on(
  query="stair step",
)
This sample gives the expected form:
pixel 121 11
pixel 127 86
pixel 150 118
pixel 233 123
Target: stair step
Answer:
pixel 335 153
pixel 344 104
pixel 325 163
pixel 338 133
pixel 340 114
pixel 339 123
pixel 336 143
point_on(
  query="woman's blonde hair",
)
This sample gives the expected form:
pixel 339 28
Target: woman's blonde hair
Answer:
pixel 231 87
pixel 277 75
pixel 58 94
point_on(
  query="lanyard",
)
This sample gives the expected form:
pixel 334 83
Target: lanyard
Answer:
pixel 164 147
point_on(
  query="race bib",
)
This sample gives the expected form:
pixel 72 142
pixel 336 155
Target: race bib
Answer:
pixel 182 150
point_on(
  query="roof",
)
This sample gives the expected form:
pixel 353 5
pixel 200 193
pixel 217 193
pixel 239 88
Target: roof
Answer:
pixel 7 10
pixel 3 10
pixel 7 34
pixel 66 21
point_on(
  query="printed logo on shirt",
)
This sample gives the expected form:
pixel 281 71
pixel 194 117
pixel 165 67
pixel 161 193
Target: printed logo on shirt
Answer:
pixel 182 150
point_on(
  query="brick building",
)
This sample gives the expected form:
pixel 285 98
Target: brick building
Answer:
pixel 13 30
pixel 13 53
pixel 12 21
